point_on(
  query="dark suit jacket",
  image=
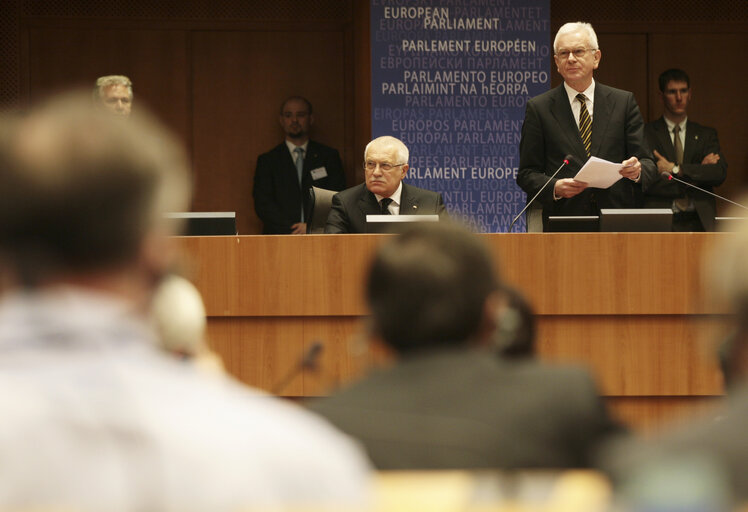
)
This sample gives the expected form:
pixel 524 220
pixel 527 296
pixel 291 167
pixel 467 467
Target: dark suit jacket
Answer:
pixel 550 132
pixel 715 445
pixel 469 409
pixel 277 194
pixel 350 207
pixel 700 141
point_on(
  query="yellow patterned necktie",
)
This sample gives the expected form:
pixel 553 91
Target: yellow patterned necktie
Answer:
pixel 585 123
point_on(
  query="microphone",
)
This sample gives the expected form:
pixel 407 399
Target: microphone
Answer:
pixel 307 362
pixel 567 160
pixel 669 176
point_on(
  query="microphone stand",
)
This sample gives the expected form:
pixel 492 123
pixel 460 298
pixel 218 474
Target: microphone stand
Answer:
pixel 567 159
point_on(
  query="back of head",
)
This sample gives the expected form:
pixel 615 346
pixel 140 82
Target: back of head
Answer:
pixel 672 75
pixel 427 288
pixel 80 189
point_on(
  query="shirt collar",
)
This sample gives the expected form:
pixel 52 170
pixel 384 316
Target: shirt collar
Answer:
pixel 589 92
pixel 671 125
pixel 291 146
pixel 395 197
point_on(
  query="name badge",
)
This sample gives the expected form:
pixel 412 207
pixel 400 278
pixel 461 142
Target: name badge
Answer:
pixel 319 173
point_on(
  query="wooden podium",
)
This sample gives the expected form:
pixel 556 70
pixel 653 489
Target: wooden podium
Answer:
pixel 626 305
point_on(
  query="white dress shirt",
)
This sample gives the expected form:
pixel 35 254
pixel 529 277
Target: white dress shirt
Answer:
pixel 95 418
pixel 394 206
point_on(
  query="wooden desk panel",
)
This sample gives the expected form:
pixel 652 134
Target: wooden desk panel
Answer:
pixel 612 301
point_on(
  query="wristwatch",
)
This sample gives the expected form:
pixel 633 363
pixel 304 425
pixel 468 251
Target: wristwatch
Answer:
pixel 675 170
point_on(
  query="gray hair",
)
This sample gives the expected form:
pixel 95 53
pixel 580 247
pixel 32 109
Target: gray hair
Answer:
pixel 578 26
pixel 107 81
pixel 388 141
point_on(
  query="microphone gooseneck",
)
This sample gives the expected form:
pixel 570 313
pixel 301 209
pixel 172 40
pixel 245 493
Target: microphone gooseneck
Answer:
pixel 670 177
pixel 567 160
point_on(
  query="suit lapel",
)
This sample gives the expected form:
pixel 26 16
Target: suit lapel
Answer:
pixel 561 111
pixel 692 142
pixel 603 107
pixel 663 139
pixel 288 166
pixel 367 203
pixel 311 161
pixel 408 203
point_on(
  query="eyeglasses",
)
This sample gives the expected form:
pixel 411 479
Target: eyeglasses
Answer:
pixel 578 53
pixel 386 167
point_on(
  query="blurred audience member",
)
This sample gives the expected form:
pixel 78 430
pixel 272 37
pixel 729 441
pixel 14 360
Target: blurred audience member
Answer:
pixel 448 401
pixel 178 314
pixel 515 335
pixel 713 450
pixel 94 416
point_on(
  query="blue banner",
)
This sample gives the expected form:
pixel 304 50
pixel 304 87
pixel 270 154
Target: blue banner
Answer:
pixel 451 78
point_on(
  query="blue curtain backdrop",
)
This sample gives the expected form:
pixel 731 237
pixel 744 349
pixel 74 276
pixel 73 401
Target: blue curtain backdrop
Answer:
pixel 451 79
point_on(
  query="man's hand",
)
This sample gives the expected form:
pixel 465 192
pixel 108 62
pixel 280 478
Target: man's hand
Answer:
pixel 632 169
pixel 568 187
pixel 711 158
pixel 299 228
pixel 663 164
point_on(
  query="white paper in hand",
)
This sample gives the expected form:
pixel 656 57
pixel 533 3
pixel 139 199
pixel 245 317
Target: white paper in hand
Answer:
pixel 599 173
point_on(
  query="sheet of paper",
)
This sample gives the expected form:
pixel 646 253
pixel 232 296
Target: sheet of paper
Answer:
pixel 599 173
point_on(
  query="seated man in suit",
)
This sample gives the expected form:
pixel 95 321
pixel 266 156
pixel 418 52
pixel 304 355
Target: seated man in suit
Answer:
pixel 583 118
pixel 385 166
pixel 286 173
pixel 687 150
pixel 448 401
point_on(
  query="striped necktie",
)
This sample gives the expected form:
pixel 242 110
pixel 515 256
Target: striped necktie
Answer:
pixel 585 123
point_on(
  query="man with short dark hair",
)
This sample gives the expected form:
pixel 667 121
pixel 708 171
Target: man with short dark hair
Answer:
pixel 448 401
pixel 94 415
pixel 383 192
pixel 285 174
pixel 687 150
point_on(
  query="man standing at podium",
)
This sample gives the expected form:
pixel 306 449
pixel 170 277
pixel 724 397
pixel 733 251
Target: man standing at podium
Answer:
pixel 582 118
pixel 285 174
pixel 383 193
pixel 688 151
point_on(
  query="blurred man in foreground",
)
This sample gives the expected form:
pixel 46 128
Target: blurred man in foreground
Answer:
pixel 94 416
pixel 448 401
pixel 702 466
pixel 114 93
pixel 383 193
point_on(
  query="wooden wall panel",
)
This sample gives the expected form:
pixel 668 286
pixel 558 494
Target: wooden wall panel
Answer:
pixel 650 415
pixel 637 355
pixel 240 79
pixel 74 56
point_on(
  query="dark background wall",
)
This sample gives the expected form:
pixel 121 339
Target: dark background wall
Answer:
pixel 216 71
